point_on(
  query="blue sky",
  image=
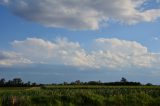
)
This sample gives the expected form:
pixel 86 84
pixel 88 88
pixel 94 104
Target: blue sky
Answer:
pixel 101 41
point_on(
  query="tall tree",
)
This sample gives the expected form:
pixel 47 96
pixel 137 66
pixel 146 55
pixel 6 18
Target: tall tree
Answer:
pixel 123 79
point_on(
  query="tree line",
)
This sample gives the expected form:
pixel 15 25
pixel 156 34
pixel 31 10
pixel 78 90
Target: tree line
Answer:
pixel 122 82
pixel 17 82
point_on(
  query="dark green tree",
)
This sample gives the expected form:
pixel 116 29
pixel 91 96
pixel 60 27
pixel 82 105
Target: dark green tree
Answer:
pixel 17 81
pixel 123 79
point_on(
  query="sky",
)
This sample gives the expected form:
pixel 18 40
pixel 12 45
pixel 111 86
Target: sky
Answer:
pixel 50 41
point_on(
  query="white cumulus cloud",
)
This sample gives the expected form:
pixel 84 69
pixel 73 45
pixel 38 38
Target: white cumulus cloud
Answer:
pixel 121 53
pixel 81 14
pixel 61 51
pixel 12 58
pixel 110 53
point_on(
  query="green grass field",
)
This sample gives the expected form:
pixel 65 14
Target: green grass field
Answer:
pixel 80 96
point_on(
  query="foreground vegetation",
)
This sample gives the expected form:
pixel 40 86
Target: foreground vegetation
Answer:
pixel 80 95
pixel 93 93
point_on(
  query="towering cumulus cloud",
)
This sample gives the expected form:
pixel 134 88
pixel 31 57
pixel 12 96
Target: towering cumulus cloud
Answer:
pixel 81 14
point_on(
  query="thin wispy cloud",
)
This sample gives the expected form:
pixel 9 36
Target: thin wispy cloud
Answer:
pixel 158 1
pixel 156 38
